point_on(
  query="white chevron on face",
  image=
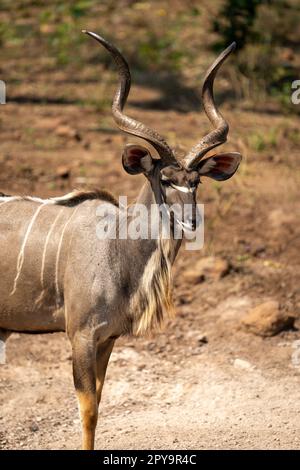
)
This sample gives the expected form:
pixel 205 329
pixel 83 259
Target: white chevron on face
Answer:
pixel 183 189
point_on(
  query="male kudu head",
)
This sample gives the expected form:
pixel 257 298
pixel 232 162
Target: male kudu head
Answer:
pixel 174 181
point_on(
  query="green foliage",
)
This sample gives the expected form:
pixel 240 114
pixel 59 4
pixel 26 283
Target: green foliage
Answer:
pixel 264 141
pixel 267 32
pixel 162 38
pixel 60 26
pixel 158 52
pixel 235 22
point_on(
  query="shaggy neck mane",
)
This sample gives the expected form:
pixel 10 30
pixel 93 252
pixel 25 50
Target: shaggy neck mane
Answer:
pixel 152 303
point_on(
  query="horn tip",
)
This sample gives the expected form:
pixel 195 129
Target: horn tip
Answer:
pixel 90 33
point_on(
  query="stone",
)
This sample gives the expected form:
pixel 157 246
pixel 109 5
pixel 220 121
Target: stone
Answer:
pixel 267 319
pixel 33 427
pixel 192 277
pixel 202 340
pixel 279 217
pixel 210 267
pixel 242 364
pixel 67 131
pixel 63 172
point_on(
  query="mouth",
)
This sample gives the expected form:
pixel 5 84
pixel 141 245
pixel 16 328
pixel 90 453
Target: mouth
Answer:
pixel 185 226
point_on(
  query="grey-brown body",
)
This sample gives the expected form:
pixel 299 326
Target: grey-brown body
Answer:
pixel 60 276
pixel 28 298
pixel 57 274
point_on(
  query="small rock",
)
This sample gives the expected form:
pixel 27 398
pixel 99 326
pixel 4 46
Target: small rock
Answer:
pixel 192 277
pixel 278 218
pixel 33 427
pixel 258 250
pixel 67 131
pixel 210 267
pixel 63 172
pixel 267 319
pixel 242 364
pixel 86 144
pixel 202 340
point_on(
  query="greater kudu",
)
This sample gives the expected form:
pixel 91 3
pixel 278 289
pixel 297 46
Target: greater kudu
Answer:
pixel 58 276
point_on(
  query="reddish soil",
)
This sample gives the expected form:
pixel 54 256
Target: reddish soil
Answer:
pixel 175 390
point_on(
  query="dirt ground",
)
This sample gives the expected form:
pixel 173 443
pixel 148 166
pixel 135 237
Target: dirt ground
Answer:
pixel 204 382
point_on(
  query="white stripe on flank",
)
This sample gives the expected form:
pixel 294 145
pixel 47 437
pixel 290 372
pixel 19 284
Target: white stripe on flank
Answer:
pixel 46 246
pixel 58 254
pixel 2 201
pixel 21 257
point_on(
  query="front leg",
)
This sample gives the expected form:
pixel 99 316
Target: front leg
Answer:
pixel 103 354
pixel 84 373
pixel 4 334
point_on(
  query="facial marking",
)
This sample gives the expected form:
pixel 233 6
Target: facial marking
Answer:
pixel 179 179
pixel 183 189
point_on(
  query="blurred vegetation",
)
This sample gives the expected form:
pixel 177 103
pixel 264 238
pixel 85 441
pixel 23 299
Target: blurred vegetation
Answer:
pixel 168 43
pixel 268 36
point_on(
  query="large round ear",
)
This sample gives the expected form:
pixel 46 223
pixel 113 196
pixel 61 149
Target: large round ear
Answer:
pixel 220 167
pixel 136 159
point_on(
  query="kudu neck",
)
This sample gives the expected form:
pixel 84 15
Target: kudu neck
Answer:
pixel 150 197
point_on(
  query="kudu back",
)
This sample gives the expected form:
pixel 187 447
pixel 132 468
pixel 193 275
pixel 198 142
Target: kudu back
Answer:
pixel 58 275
